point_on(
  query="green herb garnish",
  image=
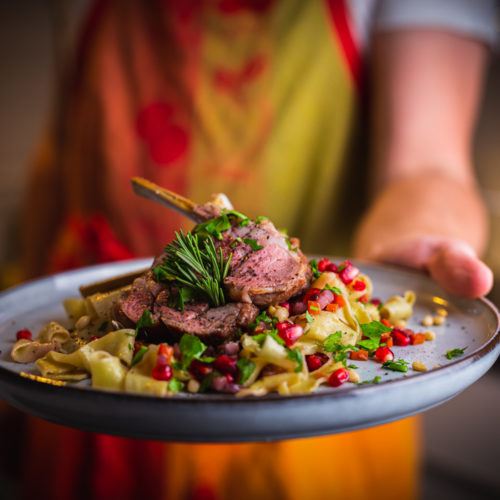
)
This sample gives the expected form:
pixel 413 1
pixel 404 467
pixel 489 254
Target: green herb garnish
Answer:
pixel 144 321
pixel 333 289
pixel 139 355
pixel 260 218
pixel 175 385
pixel 295 355
pixel 246 367
pixel 374 380
pixel 261 317
pixel 373 331
pixel 194 263
pixel 191 347
pixel 332 342
pixel 309 317
pixel 314 266
pixel 290 247
pixel 455 353
pixel 253 244
pixel 396 366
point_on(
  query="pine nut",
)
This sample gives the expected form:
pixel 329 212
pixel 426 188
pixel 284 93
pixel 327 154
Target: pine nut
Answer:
pixel 418 366
pixel 429 335
pixel 442 312
pixel 353 376
pixel 83 322
pixel 281 313
pixel 193 386
pixel 439 320
pixel 428 321
pixel 399 323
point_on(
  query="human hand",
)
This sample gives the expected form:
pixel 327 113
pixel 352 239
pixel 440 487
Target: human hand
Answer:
pixel 452 263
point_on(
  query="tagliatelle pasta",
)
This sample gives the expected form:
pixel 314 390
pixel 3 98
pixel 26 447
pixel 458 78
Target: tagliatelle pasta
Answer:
pixel 292 348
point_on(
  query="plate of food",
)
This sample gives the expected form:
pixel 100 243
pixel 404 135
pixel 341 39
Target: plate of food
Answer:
pixel 232 334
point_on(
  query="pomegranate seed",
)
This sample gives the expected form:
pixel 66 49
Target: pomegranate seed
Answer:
pixel 332 268
pixel 339 377
pixel 283 325
pixel 311 294
pixel 348 272
pixel 200 370
pixel 315 361
pixel 291 334
pixel 286 305
pixel 383 354
pixel 323 265
pixel 363 299
pixel 225 365
pixel 23 334
pixel 359 286
pixel 94 337
pixel 229 378
pixel 399 337
pixel 376 302
pixel 162 372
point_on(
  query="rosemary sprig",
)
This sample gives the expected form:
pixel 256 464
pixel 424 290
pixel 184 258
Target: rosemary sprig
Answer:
pixel 194 262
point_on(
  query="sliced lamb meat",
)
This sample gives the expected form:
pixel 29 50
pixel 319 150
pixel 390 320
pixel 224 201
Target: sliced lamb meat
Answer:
pixel 213 325
pixel 132 304
pixel 269 276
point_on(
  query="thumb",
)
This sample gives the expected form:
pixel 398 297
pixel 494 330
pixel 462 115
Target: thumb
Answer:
pixel 453 264
pixel 457 269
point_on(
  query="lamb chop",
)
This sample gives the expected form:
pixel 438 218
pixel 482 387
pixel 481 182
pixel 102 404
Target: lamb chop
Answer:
pixel 264 267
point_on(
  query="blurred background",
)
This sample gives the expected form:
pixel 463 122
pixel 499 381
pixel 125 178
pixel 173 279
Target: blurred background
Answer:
pixel 462 439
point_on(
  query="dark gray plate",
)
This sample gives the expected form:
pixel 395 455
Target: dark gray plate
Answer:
pixel 225 418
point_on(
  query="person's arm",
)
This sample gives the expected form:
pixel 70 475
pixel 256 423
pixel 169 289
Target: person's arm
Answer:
pixel 427 212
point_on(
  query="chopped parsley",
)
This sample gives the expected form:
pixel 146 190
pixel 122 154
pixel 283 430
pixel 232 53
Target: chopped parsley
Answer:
pixel 309 317
pixel 191 347
pixel 175 385
pixel 374 380
pixel 139 355
pixel 373 331
pixel 261 317
pixel 246 367
pixel 253 244
pixel 260 218
pixel 396 366
pixel 144 321
pixel 333 289
pixel 332 342
pixel 290 247
pixel 261 337
pixel 295 355
pixel 455 353
pixel 314 266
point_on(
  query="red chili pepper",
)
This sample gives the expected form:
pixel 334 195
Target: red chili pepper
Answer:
pixel 417 338
pixel 383 354
pixel 331 308
pixel 339 300
pixel 360 355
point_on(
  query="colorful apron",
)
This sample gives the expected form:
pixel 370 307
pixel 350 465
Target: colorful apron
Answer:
pixel 256 99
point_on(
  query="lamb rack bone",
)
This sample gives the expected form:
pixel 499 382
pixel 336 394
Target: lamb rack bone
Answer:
pixel 182 205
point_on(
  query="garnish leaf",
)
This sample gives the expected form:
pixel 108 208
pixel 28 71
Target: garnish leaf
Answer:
pixel 396 366
pixel 175 385
pixel 334 289
pixel 253 244
pixel 144 321
pixel 314 266
pixel 246 367
pixel 373 331
pixel 295 355
pixel 332 342
pixel 260 218
pixel 374 380
pixel 139 355
pixel 309 317
pixel 191 347
pixel 455 353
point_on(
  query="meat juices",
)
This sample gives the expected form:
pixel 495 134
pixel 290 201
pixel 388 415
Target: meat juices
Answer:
pixel 269 274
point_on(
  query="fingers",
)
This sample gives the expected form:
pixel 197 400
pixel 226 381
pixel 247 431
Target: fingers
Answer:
pixel 460 272
pixel 453 264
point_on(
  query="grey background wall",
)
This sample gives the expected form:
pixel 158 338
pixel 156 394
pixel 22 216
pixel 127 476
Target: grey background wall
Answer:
pixel 461 437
